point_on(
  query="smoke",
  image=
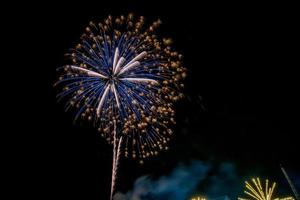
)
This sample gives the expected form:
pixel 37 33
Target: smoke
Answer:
pixel 183 181
pixel 225 182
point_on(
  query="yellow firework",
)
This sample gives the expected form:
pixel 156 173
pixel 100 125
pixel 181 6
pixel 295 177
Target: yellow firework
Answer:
pixel 198 198
pixel 257 191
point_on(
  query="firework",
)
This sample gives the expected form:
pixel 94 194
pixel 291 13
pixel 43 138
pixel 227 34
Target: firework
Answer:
pixel 257 191
pixel 198 198
pixel 290 183
pixel 125 80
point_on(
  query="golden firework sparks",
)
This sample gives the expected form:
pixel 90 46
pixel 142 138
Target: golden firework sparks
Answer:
pixel 257 191
pixel 198 198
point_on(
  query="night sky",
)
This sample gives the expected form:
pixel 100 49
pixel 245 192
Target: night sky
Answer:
pixel 240 105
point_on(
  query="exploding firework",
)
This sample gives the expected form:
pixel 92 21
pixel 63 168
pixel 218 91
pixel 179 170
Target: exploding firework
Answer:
pixel 125 80
pixel 259 192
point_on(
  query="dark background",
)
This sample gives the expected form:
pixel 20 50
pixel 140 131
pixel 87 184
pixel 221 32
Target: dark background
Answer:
pixel 240 104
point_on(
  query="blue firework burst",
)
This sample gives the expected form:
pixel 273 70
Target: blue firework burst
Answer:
pixel 121 74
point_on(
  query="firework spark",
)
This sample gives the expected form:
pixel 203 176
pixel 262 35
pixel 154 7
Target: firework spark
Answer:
pixel 198 198
pixel 125 80
pixel 259 192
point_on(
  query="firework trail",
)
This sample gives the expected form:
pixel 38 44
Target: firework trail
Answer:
pixel 290 183
pixel 124 79
pixel 116 157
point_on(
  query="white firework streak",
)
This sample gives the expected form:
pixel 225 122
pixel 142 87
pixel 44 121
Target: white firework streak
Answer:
pixel 133 63
pixel 88 72
pixel 116 158
pixel 105 93
pixel 142 80
pixel 116 58
pixel 113 87
pixel 119 64
pixel 138 57
pixel 128 67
